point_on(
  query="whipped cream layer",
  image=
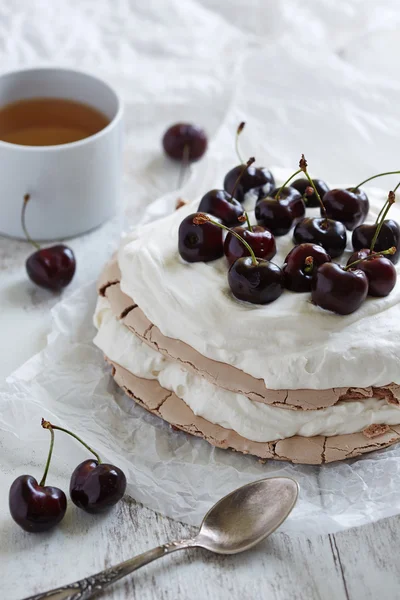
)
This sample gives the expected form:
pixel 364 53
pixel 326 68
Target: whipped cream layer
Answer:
pixel 253 420
pixel 290 343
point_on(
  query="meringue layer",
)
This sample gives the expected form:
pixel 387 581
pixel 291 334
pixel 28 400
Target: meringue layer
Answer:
pixel 253 420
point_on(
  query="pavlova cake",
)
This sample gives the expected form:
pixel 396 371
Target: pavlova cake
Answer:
pixel 264 318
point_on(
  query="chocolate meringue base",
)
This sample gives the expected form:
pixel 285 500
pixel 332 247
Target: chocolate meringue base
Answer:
pixel 312 451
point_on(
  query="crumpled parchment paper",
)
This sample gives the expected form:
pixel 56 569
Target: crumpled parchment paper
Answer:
pixel 293 71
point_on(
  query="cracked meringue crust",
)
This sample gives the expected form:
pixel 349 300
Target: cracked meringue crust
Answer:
pixel 313 450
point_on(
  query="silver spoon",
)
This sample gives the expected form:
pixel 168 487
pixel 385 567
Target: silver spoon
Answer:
pixel 236 523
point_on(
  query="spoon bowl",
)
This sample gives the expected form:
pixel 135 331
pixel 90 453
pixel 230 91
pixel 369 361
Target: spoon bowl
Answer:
pixel 247 515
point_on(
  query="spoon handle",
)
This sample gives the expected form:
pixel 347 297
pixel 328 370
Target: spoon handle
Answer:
pixel 87 587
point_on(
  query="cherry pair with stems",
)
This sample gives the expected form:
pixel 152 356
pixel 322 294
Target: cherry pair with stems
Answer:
pixel 94 486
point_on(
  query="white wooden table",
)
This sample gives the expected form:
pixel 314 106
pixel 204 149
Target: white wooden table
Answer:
pixel 360 564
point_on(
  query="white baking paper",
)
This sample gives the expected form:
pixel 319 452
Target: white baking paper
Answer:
pixel 295 73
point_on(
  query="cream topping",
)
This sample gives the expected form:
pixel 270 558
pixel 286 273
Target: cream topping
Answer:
pixel 290 343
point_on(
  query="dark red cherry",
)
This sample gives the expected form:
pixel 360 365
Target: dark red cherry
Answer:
pixel 381 273
pixel 297 272
pixel 311 200
pixel 259 284
pixel 279 215
pixel 199 243
pixel 222 205
pixel 388 237
pixel 293 199
pixel 350 207
pixel 258 179
pixel 329 234
pixel 52 268
pixel 184 135
pixel 259 239
pixel 338 290
pixel 359 255
pixel 96 487
pixel 36 508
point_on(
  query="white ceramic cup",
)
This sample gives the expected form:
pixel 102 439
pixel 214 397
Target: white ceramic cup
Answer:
pixel 73 187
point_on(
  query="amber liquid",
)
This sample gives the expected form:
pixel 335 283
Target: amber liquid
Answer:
pixel 49 122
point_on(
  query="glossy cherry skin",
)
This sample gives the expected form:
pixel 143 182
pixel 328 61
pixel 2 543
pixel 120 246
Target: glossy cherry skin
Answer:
pixel 293 199
pixel 338 290
pixel 36 508
pixel 311 200
pixel 347 206
pixel 331 235
pixel 96 487
pixel 388 237
pixel 381 273
pixel 280 215
pixel 182 135
pixel 261 241
pixel 295 273
pixel 258 284
pixel 52 268
pixel 200 243
pixel 222 205
pixel 254 178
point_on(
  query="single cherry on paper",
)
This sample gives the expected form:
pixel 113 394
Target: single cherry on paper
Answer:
pixel 301 264
pixel 185 142
pixel 259 180
pixel 94 486
pixel 34 506
pixel 52 268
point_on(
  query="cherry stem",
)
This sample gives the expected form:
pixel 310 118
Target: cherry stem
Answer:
pixel 238 132
pixel 202 218
pixel 245 167
pixel 184 165
pixel 380 212
pixel 395 189
pixel 286 182
pixel 48 425
pixel 46 469
pixel 248 222
pixel 374 177
pixel 323 209
pixel 382 216
pixel 28 237
pixel 390 251
pixel 308 265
